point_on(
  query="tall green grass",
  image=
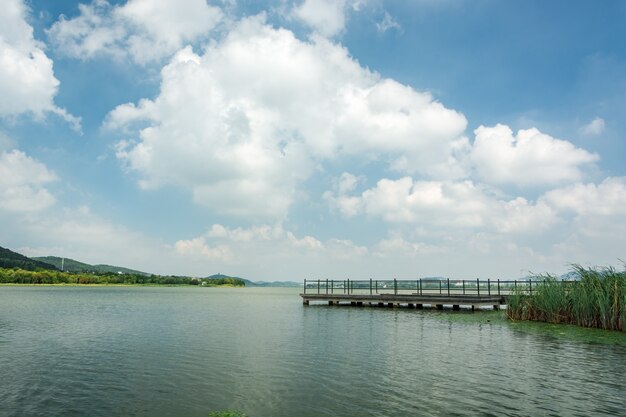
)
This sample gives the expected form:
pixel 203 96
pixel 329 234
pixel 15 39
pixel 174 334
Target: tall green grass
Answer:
pixel 596 299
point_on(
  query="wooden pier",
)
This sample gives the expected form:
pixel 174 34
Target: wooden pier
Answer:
pixel 435 293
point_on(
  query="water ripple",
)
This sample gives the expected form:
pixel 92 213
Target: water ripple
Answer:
pixel 183 352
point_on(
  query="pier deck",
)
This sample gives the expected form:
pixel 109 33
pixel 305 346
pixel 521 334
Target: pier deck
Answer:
pixel 435 293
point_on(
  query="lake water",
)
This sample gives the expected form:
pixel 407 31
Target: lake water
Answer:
pixel 184 352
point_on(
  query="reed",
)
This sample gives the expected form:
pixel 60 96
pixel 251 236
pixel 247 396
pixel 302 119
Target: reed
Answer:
pixel 596 299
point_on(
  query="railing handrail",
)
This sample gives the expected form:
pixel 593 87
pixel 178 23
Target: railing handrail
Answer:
pixel 442 286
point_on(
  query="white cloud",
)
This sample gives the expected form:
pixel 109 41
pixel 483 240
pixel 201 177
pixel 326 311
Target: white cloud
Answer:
pixel 242 125
pixel 27 81
pixel 396 245
pixel 445 206
pixel 530 158
pixel 594 128
pixel 430 202
pixel 339 199
pixel 265 251
pixel 326 17
pixel 388 23
pixel 141 30
pixel 22 183
pixel 78 233
pixel 605 199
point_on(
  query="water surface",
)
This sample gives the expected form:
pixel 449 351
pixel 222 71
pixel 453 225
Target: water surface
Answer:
pixel 165 351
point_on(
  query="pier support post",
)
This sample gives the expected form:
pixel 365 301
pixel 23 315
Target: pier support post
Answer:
pixel 390 305
pixel 330 303
pixel 419 306
pixel 305 301
pixel 439 306
pixel 456 307
pixel 496 307
pixel 381 304
pixel 410 305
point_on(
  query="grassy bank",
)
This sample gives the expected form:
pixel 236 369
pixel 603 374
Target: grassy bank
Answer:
pixel 596 299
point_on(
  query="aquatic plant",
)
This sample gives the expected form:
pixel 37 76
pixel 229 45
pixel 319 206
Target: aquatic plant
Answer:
pixel 227 413
pixel 597 298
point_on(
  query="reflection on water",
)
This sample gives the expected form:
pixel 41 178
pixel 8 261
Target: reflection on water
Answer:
pixel 150 351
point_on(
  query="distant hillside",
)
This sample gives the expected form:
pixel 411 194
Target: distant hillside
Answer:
pixel 70 265
pixel 249 283
pixel 10 259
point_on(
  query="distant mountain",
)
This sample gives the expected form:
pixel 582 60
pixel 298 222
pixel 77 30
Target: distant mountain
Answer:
pixel 570 276
pixel 71 265
pixel 10 259
pixel 284 284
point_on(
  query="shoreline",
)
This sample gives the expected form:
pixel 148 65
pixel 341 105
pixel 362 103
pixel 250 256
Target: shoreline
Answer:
pixel 73 284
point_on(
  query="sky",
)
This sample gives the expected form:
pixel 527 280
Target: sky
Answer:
pixel 291 139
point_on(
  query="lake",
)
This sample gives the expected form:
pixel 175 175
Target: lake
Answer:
pixel 184 352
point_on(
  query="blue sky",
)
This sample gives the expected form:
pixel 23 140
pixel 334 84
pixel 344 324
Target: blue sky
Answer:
pixel 299 139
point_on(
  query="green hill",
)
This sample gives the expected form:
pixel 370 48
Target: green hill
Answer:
pixel 71 265
pixel 10 259
pixel 285 284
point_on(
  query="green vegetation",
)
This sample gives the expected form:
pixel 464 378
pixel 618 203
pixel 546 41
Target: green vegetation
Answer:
pixel 596 299
pixel 22 276
pixel 70 265
pixel 18 269
pixel 227 413
pixel 10 259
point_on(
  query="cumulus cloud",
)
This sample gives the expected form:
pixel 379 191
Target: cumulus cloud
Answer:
pixel 339 198
pixel 140 30
pixel 27 81
pixel 242 125
pixel 594 128
pixel 605 199
pixel 22 183
pixel 530 158
pixel 432 202
pixel 326 17
pixel 446 205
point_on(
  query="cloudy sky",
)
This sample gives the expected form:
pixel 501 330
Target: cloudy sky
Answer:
pixel 282 140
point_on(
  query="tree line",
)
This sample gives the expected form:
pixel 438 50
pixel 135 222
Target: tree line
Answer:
pixel 22 276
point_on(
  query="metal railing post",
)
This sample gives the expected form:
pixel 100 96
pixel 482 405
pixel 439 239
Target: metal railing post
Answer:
pixel 395 287
pixel 370 286
pixel 478 286
pixel 448 287
pixel 304 286
pixel 488 286
pixel 463 287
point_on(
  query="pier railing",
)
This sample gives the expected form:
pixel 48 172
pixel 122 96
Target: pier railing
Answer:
pixel 423 286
